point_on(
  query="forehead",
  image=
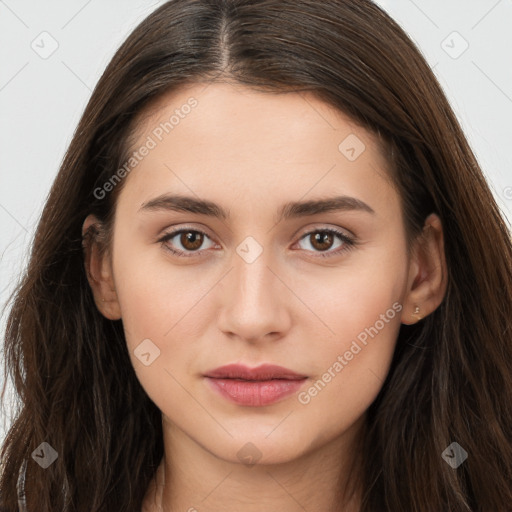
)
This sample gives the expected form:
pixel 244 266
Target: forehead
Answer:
pixel 218 137
pixel 273 120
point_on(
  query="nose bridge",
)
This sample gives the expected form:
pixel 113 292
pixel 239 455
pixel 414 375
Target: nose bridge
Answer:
pixel 254 304
pixel 254 280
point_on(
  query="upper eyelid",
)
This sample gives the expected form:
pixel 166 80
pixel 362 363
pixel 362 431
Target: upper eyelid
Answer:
pixel 317 227
pixel 176 231
pixel 343 231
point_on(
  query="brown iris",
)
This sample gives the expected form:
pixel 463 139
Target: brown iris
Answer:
pixel 322 240
pixel 191 240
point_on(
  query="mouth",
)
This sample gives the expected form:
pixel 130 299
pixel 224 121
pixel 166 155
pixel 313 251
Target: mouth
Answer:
pixel 254 387
pixel 263 372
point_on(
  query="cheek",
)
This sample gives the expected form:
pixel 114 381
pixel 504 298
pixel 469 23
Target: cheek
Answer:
pixel 349 299
pixel 155 298
pixel 154 320
pixel 362 307
pixel 165 311
pixel 351 370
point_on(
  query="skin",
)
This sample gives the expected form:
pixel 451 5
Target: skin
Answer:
pixel 251 152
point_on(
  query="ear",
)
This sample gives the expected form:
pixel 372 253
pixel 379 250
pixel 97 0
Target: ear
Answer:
pixel 98 267
pixel 427 282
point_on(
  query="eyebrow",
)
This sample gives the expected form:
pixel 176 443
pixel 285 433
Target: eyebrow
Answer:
pixel 289 210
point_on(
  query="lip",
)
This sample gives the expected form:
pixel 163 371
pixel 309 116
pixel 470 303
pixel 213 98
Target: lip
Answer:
pixel 255 387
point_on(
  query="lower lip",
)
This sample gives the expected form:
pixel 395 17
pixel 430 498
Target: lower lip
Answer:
pixel 255 393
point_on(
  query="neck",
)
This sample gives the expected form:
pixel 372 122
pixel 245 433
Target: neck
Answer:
pixel 192 479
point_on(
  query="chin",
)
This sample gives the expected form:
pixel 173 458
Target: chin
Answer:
pixel 252 448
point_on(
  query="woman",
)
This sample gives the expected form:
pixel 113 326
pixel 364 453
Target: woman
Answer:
pixel 269 276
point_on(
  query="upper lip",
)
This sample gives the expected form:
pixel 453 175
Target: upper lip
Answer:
pixel 262 372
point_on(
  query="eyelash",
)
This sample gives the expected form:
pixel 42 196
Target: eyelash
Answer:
pixel 348 242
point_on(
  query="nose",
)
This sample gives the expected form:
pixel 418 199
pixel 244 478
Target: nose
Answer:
pixel 255 304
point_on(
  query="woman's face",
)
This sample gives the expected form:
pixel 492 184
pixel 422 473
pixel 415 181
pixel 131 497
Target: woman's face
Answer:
pixel 262 279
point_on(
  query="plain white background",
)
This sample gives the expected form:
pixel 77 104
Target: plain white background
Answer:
pixel 52 54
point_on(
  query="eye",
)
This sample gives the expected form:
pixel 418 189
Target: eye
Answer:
pixel 322 240
pixel 190 241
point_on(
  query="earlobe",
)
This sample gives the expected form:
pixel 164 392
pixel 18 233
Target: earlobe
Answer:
pixel 427 282
pixel 98 268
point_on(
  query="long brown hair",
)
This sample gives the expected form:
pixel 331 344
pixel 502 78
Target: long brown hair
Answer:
pixel 451 375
